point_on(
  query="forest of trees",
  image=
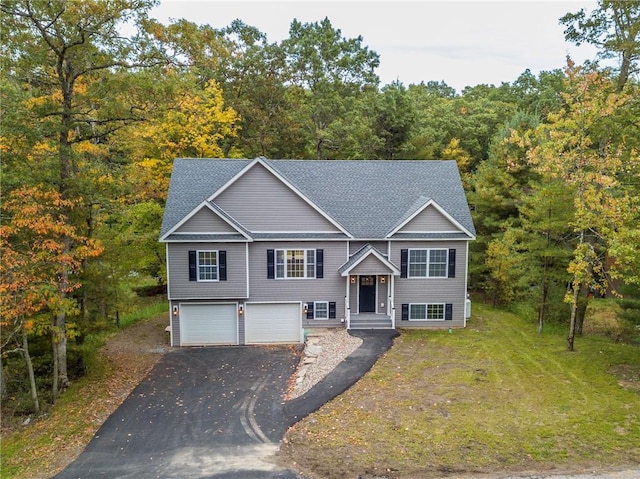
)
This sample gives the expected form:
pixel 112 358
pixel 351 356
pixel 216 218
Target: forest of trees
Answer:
pixel 92 120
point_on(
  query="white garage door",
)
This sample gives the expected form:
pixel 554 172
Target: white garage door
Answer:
pixel 208 324
pixel 273 323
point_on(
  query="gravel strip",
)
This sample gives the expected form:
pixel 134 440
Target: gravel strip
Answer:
pixel 325 349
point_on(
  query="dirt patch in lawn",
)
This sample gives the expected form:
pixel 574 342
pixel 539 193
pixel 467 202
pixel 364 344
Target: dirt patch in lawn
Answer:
pixel 628 375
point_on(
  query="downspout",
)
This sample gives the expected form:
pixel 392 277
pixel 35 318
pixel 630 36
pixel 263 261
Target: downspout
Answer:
pixel 347 299
pixel 166 255
pixel 466 280
pixel 347 309
pixel 392 301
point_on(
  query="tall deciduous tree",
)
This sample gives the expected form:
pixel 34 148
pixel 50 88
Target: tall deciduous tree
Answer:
pixel 614 27
pixel 35 257
pixel 576 148
pixel 82 76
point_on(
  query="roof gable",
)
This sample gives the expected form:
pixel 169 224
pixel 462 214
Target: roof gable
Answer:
pixel 428 218
pixel 205 220
pixel 262 201
pixel 209 220
pixel 368 260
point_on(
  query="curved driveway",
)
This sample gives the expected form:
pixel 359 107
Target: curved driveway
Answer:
pixel 214 412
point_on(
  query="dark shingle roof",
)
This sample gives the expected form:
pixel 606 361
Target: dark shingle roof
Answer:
pixel 367 198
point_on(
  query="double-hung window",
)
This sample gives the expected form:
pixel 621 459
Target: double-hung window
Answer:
pixel 428 312
pixel 295 263
pixel 428 263
pixel 207 266
pixel 321 310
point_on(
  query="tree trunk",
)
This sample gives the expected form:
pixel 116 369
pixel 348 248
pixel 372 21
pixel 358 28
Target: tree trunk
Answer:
pixel 54 386
pixel 543 306
pixel 583 302
pixel 572 321
pixel 65 156
pixel 3 385
pixel 32 378
pixel 545 292
pixel 60 329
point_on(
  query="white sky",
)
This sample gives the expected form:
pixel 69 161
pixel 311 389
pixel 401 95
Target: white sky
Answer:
pixel 460 42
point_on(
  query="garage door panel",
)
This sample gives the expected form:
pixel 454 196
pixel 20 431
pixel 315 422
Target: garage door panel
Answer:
pixel 208 324
pixel 273 323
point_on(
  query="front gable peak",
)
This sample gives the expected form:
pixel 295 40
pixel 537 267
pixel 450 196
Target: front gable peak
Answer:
pixel 264 201
pixel 426 216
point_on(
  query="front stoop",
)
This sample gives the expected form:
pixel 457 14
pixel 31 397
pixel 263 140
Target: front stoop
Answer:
pixel 371 321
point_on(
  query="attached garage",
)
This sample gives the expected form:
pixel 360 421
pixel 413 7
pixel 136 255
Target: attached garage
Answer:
pixel 208 324
pixel 273 323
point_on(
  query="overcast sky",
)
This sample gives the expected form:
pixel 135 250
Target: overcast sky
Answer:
pixel 459 42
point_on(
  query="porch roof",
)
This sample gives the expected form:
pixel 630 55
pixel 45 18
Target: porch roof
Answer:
pixel 387 267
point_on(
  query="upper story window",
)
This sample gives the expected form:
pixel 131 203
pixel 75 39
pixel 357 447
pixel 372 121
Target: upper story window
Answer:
pixel 207 266
pixel 295 263
pixel 428 263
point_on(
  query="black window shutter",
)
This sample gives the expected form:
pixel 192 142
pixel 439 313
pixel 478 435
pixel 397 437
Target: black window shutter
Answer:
pixel 271 266
pixel 448 311
pixel 404 262
pixel 452 263
pixel 332 310
pixel 222 265
pixel 193 267
pixel 405 312
pixel 319 263
pixel 310 310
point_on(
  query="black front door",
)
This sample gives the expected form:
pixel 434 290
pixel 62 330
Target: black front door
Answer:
pixel 367 294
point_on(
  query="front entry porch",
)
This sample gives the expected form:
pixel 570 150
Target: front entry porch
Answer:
pixel 369 294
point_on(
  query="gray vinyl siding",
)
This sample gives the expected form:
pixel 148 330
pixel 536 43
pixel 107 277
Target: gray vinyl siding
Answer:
pixel 430 219
pixel 369 265
pixel 261 202
pixel 205 221
pixel 175 325
pixel 432 290
pixel 178 271
pixel 241 330
pixel 383 295
pixel 332 287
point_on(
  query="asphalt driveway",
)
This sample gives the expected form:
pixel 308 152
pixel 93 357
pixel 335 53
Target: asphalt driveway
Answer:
pixel 214 413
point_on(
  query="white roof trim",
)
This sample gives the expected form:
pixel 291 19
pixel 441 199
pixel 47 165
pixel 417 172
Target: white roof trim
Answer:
pixel 441 210
pixel 269 168
pixel 377 254
pixel 193 212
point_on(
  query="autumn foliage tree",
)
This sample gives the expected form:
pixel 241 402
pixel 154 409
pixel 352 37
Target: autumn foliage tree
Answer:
pixel 36 270
pixel 82 81
pixel 577 148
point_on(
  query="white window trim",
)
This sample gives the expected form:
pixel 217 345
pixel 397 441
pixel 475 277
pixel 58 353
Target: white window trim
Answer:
pixel 315 310
pixel 306 263
pixel 217 265
pixel 426 311
pixel 427 276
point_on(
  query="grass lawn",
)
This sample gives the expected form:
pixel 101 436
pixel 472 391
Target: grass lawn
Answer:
pixel 494 397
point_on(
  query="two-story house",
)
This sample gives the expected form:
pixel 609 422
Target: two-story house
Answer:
pixel 258 250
